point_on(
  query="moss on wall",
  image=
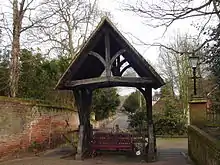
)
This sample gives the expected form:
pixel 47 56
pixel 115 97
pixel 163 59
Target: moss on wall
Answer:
pixel 24 121
pixel 203 148
pixel 38 103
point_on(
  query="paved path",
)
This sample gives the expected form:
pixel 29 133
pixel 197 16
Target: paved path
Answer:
pixel 169 153
pixel 121 120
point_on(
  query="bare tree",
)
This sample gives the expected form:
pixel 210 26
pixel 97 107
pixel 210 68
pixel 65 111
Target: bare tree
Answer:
pixel 176 68
pixel 17 19
pixel 166 12
pixel 64 24
pixel 67 29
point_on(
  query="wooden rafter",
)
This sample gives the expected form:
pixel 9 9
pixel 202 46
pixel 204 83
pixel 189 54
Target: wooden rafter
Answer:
pixel 122 63
pixel 120 52
pixel 124 69
pixel 99 57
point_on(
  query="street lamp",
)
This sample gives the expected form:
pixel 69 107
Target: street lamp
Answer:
pixel 193 60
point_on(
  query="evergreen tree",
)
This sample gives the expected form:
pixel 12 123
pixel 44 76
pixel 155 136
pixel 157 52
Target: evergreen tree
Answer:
pixel 132 103
pixel 105 102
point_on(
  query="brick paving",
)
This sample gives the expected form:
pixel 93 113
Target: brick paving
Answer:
pixel 169 153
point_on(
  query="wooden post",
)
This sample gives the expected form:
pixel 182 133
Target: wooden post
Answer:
pixel 83 99
pixel 79 154
pixel 151 149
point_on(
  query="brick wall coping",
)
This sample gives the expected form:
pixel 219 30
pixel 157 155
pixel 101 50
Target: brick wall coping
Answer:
pixel 198 101
pixel 34 103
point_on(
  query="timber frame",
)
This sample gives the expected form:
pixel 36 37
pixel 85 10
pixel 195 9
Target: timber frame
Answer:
pixel 101 63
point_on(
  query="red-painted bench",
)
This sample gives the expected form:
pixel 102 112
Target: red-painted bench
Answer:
pixel 112 142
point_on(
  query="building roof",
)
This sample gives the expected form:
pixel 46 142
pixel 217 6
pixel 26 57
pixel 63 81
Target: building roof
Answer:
pixel 90 62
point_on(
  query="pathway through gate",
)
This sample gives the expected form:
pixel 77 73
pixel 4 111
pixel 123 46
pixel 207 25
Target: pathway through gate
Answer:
pixel 121 120
pixel 169 154
pixel 168 149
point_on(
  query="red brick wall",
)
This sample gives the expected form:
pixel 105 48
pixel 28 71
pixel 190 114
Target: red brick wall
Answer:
pixel 22 122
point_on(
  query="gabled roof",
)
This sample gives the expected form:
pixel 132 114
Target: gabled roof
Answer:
pixel 84 66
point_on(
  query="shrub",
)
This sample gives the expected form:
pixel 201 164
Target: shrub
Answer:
pixel 138 120
pixel 170 125
pixel 164 124
pixel 132 103
pixel 105 103
pixel 35 146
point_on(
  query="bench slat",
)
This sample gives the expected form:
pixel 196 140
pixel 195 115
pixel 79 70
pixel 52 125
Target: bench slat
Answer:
pixel 110 141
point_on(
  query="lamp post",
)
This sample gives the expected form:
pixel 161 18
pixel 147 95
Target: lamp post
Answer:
pixel 194 62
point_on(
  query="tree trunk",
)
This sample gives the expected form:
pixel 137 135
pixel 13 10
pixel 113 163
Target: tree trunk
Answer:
pixel 15 53
pixel 14 66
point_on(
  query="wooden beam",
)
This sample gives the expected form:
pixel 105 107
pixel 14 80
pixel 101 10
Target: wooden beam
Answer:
pixel 83 98
pixel 124 69
pixel 151 150
pixel 115 71
pixel 117 64
pixel 137 59
pixel 104 81
pixel 97 55
pixel 107 54
pixel 138 80
pixel 117 54
pixel 116 68
pixel 85 82
pixel 121 63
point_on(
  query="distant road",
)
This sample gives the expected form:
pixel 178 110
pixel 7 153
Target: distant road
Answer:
pixel 121 119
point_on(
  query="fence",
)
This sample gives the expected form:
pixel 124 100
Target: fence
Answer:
pixel 213 115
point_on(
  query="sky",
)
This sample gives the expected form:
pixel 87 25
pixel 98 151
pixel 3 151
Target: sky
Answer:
pixel 130 23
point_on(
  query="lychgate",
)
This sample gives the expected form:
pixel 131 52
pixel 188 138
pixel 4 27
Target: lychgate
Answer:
pixel 100 63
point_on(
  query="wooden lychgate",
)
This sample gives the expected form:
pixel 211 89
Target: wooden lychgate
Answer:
pixel 100 63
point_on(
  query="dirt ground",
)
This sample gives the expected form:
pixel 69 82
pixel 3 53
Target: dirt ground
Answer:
pixel 170 152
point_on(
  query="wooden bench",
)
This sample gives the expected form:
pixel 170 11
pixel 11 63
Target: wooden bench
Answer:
pixel 111 142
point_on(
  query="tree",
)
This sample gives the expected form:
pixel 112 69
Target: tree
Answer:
pixel 38 75
pixel 132 103
pixel 63 23
pixel 138 121
pixel 206 19
pixel 172 104
pixel 165 13
pixel 170 120
pixel 105 102
pixel 18 15
pixel 214 58
pixel 14 25
pixel 68 28
pixel 4 72
pixel 176 70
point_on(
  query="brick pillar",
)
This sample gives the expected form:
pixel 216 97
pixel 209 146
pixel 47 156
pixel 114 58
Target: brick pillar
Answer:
pixel 197 111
